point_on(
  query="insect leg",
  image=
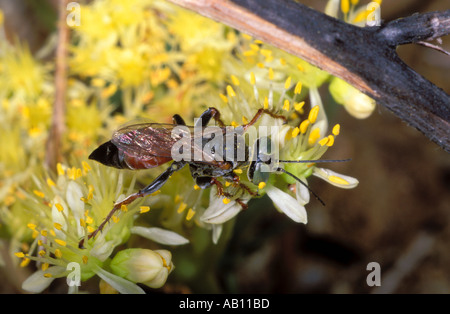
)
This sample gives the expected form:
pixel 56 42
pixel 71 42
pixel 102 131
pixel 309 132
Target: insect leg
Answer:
pixel 207 115
pixel 149 189
pixel 221 192
pixel 177 119
pixel 234 178
pixel 258 115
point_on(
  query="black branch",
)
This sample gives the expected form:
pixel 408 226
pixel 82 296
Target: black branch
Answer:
pixel 370 54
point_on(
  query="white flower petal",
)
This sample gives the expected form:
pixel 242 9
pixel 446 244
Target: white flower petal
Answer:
pixel 336 179
pixel 216 232
pixel 37 283
pixel 218 212
pixel 159 235
pixel 103 249
pixel 302 193
pixel 287 204
pixel 120 284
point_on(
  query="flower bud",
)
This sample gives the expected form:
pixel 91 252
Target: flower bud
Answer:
pixel 143 266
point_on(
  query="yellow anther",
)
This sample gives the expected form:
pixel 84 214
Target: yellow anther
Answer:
pixel 235 80
pixel 286 105
pixel 252 78
pixel 60 169
pixel 237 171
pixel 44 233
pixel 39 193
pixel 249 53
pixel 45 266
pixel 31 226
pixel 85 259
pixel 260 65
pixel 287 83
pixel 261 185
pixel 313 136
pixel 90 229
pixel 298 106
pixel 90 196
pixel 227 184
pixel 86 166
pixel 190 214
pixel 59 207
pixel 304 126
pixel 257 41
pixel 226 200
pixel 298 88
pixel 295 132
pixel 57 226
pixel 58 253
pixel 48 275
pixel 266 103
pixel 271 74
pixel 323 141
pixel 266 52
pixel 336 130
pixel 89 220
pixel 41 252
pixel 155 193
pixel 330 140
pixel 282 61
pixel 246 36
pixel 234 124
pixel 61 242
pixel 177 198
pixel 355 2
pixel 98 82
pixel 300 67
pixel 244 120
pixel 345 6
pixel 52 232
pixel 196 187
pixel 312 117
pixel 82 222
pixel 182 207
pixel 254 47
pixel 338 180
pixel 230 91
pixel 50 182
pixel 19 254
pixel 124 208
pixel 25 262
pixel 144 209
pixel 224 98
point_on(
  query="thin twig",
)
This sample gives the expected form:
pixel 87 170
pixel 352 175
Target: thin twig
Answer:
pixel 433 46
pixel 54 141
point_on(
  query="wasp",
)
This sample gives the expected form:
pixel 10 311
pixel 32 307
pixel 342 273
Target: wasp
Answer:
pixel 149 145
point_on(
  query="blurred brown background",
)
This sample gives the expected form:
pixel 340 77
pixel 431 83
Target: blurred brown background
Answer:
pixel 399 215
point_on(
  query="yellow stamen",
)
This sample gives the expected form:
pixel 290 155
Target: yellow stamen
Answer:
pixel 227 184
pixel 144 209
pixel 230 91
pixel 330 140
pixel 336 130
pixel 58 253
pixel 295 132
pixel 44 233
pixel 244 120
pixel 182 207
pixel 25 262
pixel 286 105
pixel 90 229
pixel 338 180
pixel 60 169
pixel 235 80
pixel 60 242
pixel 266 103
pixel 298 88
pixel 266 52
pixel 45 266
pixel 234 124
pixel 50 182
pixel 257 41
pixel 260 65
pixel 261 185
pixel 47 275
pixel 59 207
pixel 57 226
pixel 226 200
pixel 287 83
pixel 252 78
pixel 323 141
pixel 124 208
pixel 86 166
pixel 312 117
pixel 224 98
pixel 254 47
pixel 20 254
pixel 237 171
pixel 304 126
pixel 249 53
pixel 82 222
pixel 300 67
pixel 39 193
pixel 190 214
pixel 313 136
pixel 355 2
pixel 177 198
pixel 282 61
pixel 271 75
pixel 345 6
pixel 41 252
pixel 31 226
pixel 85 259
pixel 89 220
pixel 299 106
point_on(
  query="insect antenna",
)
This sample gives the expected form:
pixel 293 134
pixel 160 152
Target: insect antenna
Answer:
pixel 314 160
pixel 303 183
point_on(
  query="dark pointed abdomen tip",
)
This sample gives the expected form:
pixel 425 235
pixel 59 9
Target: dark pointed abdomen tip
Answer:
pixel 107 154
